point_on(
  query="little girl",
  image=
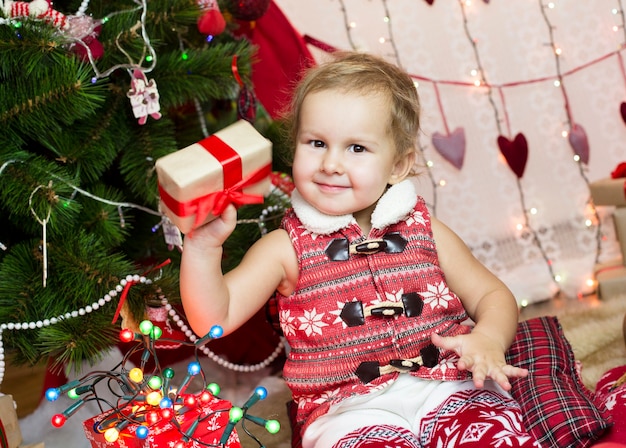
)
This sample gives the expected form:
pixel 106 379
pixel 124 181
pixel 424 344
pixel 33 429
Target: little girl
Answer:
pixel 372 291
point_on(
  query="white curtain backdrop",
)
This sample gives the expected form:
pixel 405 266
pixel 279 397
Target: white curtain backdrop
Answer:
pixel 537 232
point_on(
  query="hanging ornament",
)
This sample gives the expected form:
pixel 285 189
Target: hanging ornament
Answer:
pixel 515 153
pixel 144 97
pixel 248 10
pixel 212 22
pixel 37 9
pixel 622 111
pixel 578 141
pixel 430 2
pixel 84 30
pixel 246 102
pixel 451 146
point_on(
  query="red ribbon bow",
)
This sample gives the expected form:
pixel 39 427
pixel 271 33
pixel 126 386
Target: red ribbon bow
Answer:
pixel 232 192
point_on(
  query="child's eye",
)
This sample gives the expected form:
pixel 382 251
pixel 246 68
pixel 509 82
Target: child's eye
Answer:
pixel 317 144
pixel 357 148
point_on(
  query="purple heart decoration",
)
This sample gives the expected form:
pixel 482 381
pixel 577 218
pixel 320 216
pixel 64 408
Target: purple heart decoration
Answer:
pixel 515 153
pixel 622 111
pixel 451 146
pixel 578 141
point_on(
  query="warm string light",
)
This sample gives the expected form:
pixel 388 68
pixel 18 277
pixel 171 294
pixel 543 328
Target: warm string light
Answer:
pixel 480 72
pixel 575 133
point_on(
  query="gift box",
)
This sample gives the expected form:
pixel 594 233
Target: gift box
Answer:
pixel 609 192
pixel 211 419
pixel 10 434
pixel 611 278
pixel 196 183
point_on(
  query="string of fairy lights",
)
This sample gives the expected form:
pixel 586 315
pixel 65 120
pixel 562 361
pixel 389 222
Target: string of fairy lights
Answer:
pixel 572 131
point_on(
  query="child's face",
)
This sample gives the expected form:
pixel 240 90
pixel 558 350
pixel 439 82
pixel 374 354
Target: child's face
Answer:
pixel 344 156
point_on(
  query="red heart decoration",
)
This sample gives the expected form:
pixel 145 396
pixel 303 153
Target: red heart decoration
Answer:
pixel 622 111
pixel 578 141
pixel 430 2
pixel 451 146
pixel 515 152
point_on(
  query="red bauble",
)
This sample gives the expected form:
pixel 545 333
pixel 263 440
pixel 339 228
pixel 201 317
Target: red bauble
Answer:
pixel 247 9
pixel 212 23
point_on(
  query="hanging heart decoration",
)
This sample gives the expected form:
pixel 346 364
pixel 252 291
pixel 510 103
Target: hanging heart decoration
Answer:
pixel 515 153
pixel 451 146
pixel 578 141
pixel 430 2
pixel 622 111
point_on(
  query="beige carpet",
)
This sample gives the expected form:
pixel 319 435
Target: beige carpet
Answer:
pixel 597 337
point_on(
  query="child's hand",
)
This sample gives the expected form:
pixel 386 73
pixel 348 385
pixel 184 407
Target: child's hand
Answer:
pixel 215 232
pixel 482 356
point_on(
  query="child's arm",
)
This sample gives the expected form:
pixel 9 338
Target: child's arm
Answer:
pixel 488 302
pixel 211 298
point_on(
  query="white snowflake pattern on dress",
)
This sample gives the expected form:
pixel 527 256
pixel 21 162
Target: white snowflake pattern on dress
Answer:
pixel 312 322
pixel 437 295
pixel 416 218
pixel 394 296
pixel 287 322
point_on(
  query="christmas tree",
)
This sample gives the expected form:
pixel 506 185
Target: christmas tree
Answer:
pixel 91 95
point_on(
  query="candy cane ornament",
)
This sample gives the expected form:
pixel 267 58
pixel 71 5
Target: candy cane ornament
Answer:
pixel 37 9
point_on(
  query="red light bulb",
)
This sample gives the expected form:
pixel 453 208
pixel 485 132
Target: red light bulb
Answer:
pixel 58 420
pixel 126 335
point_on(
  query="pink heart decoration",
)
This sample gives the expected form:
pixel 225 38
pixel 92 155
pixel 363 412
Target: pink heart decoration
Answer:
pixel 578 141
pixel 515 152
pixel 622 111
pixel 451 146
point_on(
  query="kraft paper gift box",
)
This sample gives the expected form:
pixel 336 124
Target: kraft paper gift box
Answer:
pixel 611 278
pixel 9 425
pixel 196 183
pixel 165 433
pixel 609 192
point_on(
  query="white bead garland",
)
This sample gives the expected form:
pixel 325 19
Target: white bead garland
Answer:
pixel 212 355
pixel 69 315
pixel 170 311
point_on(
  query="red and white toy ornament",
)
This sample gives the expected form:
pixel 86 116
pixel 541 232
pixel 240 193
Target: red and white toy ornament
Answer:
pixel 144 97
pixel 37 9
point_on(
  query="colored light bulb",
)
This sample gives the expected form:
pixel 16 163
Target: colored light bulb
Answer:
pixel 155 382
pixel 136 375
pixel 194 368
pixel 111 435
pixel 272 426
pixel 235 414
pixel 127 335
pixel 58 420
pixel 142 432
pixel 214 388
pixel 168 373
pixel 154 398
pixel 145 327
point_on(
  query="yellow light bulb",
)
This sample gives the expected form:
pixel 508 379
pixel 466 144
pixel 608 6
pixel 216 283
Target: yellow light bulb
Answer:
pixel 136 375
pixel 154 398
pixel 111 434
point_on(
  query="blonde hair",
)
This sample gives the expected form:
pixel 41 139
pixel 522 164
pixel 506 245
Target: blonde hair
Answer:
pixel 367 74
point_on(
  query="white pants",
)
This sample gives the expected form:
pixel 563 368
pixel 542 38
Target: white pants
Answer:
pixel 403 403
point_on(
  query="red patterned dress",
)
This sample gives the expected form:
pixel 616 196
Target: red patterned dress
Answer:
pixel 365 306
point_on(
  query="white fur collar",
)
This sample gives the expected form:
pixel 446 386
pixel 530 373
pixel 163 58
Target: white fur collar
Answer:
pixel 394 205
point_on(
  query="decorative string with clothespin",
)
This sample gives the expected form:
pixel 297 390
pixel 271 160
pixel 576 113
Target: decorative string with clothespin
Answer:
pixel 44 225
pixel 246 103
